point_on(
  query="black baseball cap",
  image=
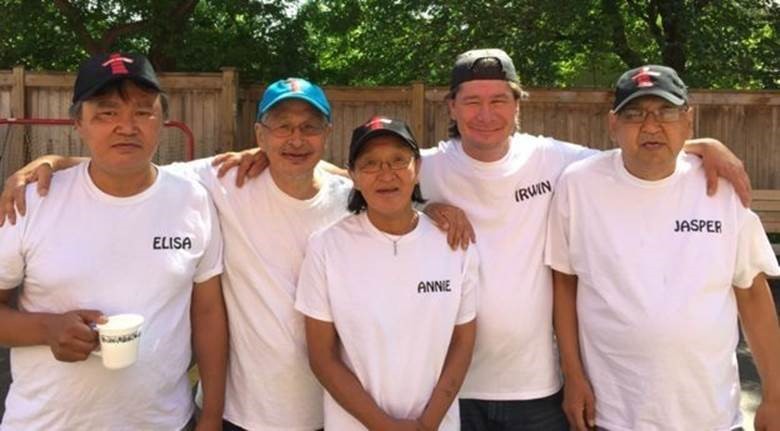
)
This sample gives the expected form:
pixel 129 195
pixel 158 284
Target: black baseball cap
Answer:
pixel 103 69
pixel 489 63
pixel 650 80
pixel 378 126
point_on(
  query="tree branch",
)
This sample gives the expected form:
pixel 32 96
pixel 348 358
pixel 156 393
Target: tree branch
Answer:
pixel 618 38
pixel 76 21
pixel 675 34
pixel 113 33
pixel 184 8
pixel 651 18
pixel 160 51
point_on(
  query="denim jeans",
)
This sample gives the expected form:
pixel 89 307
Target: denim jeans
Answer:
pixel 542 414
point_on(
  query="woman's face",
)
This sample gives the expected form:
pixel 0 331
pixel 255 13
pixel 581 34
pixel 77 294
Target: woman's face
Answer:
pixel 385 173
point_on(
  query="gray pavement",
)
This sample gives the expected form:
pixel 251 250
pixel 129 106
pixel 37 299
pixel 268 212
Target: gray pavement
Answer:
pixel 751 388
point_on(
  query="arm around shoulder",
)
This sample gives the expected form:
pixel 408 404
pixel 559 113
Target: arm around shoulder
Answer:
pixel 37 171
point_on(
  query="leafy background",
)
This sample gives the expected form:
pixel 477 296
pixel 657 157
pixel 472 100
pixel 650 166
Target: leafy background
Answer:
pixel 713 44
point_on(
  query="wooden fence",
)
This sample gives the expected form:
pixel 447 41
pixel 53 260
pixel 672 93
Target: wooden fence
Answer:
pixel 221 114
pixel 206 102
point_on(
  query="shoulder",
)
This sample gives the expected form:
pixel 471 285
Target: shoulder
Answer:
pixel 565 152
pixel 691 169
pixel 183 185
pixel 338 183
pixel 440 150
pixel 198 169
pixel 335 233
pixel 537 142
pixel 690 164
pixel 429 227
pixel 599 164
pixel 334 189
pixel 436 239
pixel 61 182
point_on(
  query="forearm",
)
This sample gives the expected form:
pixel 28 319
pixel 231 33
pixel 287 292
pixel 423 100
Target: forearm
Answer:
pixel 20 328
pixel 342 384
pixel 760 326
pixel 57 162
pixel 452 375
pixel 565 323
pixel 700 146
pixel 210 343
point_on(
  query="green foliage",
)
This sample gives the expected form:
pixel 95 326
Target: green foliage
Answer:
pixel 261 38
pixel 34 34
pixel 714 44
pixel 258 38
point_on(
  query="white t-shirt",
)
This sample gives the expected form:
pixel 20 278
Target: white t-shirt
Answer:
pixel 270 385
pixel 507 202
pixel 80 248
pixel 394 313
pixel 656 261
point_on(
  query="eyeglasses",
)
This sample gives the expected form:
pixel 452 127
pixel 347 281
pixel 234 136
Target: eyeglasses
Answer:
pixel 375 166
pixel 287 130
pixel 663 115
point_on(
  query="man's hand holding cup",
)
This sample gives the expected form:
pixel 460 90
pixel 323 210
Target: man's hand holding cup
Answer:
pixel 71 336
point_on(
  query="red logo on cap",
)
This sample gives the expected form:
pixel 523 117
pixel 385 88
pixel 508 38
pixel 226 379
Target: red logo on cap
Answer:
pixel 117 64
pixel 644 77
pixel 377 123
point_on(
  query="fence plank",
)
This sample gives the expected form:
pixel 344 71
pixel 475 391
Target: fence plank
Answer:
pixel 417 114
pixel 228 109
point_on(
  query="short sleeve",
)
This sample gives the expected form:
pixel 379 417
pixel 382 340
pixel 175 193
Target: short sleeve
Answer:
pixel 754 252
pixel 470 288
pixel 556 250
pixel 210 263
pixel 12 259
pixel 311 296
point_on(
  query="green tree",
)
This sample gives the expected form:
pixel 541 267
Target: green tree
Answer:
pixel 259 38
pixel 718 44
pixel 730 43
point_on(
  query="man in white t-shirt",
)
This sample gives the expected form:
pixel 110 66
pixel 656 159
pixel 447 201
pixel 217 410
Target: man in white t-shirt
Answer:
pixel 266 225
pixel 651 277
pixel 117 236
pixel 504 180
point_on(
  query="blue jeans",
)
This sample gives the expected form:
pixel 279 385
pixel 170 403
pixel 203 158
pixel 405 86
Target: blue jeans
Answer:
pixel 543 414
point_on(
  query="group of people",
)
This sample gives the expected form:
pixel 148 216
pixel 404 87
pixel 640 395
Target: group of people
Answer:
pixel 351 300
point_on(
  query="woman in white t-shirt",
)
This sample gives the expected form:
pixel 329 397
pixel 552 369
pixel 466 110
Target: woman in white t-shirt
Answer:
pixel 390 308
